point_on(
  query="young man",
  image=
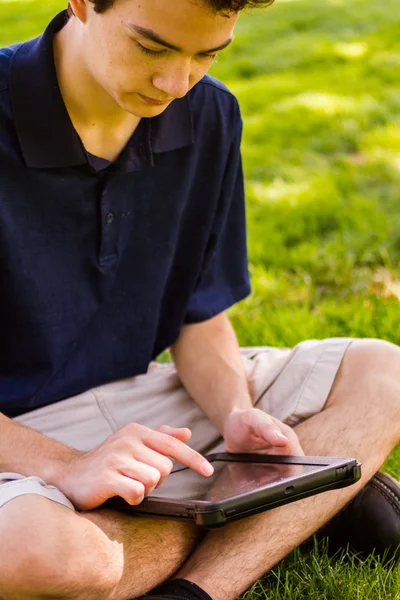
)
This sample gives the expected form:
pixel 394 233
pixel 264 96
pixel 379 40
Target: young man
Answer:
pixel 123 234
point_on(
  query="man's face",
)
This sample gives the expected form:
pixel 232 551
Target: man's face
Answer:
pixel 125 50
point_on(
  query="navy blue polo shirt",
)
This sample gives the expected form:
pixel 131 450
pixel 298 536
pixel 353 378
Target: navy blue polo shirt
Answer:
pixel 102 263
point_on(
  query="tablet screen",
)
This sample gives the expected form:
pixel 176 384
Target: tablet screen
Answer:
pixel 229 479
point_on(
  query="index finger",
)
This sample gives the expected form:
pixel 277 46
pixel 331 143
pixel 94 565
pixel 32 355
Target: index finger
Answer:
pixel 170 446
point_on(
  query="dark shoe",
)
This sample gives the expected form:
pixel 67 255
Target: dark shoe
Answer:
pixel 370 523
pixel 176 589
pixel 152 596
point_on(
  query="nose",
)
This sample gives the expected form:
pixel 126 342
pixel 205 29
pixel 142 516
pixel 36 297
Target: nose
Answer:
pixel 174 81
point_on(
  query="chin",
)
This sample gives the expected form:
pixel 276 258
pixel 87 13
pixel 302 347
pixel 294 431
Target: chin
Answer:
pixel 150 111
pixel 136 107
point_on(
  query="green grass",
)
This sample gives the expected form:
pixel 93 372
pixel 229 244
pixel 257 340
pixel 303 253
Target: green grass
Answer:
pixel 316 576
pixel 318 85
pixel 321 104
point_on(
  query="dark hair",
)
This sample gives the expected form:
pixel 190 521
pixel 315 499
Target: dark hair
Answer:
pixel 227 6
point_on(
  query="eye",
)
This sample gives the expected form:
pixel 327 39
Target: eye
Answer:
pixel 150 52
pixel 208 56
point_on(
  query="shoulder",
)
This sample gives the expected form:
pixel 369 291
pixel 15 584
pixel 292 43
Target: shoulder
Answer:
pixel 214 86
pixel 214 93
pixel 6 55
pixel 213 102
pixel 9 145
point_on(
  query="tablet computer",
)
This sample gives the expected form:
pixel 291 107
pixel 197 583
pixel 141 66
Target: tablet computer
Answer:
pixel 242 485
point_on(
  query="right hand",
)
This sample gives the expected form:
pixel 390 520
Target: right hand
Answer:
pixel 130 463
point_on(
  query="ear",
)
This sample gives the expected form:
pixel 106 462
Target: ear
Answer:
pixel 79 9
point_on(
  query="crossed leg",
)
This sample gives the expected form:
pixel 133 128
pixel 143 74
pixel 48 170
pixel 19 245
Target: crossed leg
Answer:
pixel 362 420
pixel 103 554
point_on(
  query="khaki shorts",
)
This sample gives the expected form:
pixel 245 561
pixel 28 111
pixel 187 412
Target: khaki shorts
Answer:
pixel 289 384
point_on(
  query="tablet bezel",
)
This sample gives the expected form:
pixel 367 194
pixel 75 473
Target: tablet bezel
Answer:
pixel 334 473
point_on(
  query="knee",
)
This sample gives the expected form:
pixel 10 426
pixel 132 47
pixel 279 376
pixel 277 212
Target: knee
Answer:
pixel 39 557
pixel 376 358
pixel 372 367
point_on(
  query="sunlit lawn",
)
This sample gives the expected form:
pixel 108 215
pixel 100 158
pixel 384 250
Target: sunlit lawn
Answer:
pixel 318 82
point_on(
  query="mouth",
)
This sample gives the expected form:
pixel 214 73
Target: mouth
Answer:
pixel 152 101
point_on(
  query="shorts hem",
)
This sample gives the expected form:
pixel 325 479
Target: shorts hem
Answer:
pixel 21 486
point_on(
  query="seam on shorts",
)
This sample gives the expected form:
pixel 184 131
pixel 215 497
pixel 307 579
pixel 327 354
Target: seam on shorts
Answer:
pixel 105 411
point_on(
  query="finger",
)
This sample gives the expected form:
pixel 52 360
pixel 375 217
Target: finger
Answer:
pixel 294 440
pixel 290 449
pixel 276 437
pixel 162 463
pixel 280 451
pixel 181 433
pixel 130 490
pixel 169 446
pixel 148 476
pixel 269 430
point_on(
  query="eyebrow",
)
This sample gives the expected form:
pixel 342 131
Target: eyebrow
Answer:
pixel 154 37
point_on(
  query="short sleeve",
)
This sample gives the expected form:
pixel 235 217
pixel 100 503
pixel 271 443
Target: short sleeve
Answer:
pixel 224 279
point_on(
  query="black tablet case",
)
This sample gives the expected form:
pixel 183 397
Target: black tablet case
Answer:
pixel 333 473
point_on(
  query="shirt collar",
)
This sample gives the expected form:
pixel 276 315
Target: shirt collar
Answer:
pixel 44 128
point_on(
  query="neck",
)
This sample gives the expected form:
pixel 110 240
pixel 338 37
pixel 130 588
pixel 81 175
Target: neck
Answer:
pixel 96 116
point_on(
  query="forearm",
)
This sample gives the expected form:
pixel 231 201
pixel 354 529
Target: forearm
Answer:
pixel 209 364
pixel 28 452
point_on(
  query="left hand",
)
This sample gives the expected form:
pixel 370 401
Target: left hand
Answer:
pixel 253 430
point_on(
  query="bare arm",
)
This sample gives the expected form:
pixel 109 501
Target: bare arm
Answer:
pixel 28 452
pixel 208 360
pixel 129 463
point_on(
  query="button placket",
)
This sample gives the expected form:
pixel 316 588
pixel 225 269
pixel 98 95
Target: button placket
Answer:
pixel 109 230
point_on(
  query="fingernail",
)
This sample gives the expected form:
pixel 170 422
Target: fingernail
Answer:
pixel 281 436
pixel 207 468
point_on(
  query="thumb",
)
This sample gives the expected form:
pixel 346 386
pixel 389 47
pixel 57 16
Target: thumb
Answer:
pixel 269 431
pixel 181 433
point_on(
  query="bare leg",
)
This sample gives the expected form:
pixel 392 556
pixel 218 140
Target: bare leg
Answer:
pixel 361 420
pixel 48 551
pixel 105 555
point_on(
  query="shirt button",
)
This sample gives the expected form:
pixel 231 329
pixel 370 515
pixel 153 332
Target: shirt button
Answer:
pixel 110 218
